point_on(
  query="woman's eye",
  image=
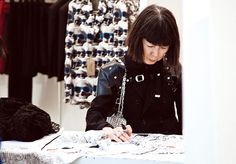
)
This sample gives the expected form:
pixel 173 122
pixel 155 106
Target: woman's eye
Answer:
pixel 163 47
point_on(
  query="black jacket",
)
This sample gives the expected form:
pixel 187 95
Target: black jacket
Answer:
pixel 149 105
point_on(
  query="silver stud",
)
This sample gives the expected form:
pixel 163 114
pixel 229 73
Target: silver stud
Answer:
pixel 157 96
pixel 115 77
pixel 127 80
pixel 168 78
pixel 158 74
pixel 110 68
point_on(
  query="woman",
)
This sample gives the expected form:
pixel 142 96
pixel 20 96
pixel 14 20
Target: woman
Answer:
pixel 153 89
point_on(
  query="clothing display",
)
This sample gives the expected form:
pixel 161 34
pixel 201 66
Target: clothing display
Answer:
pixel 63 12
pixel 4 9
pixel 57 17
pixel 27 51
pixel 150 98
pixel 35 38
pixel 95 35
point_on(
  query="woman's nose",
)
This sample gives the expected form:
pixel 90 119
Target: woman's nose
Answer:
pixel 156 48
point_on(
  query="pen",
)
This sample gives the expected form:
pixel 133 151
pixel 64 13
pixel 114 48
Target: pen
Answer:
pixel 50 142
pixel 67 147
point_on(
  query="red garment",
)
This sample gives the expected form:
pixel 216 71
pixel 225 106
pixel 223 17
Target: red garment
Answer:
pixel 2 65
pixel 2 56
pixel 4 8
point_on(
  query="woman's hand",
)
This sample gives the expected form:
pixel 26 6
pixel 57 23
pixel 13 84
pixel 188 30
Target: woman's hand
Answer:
pixel 118 134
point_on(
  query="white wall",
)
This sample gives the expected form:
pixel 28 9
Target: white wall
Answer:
pixel 209 82
pixel 3 85
pixel 223 47
pixel 46 95
pixel 198 112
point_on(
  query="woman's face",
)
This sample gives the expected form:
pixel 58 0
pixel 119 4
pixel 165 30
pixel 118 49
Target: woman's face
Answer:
pixel 153 53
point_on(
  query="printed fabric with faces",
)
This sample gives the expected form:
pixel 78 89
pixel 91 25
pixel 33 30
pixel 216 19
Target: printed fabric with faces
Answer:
pixel 93 38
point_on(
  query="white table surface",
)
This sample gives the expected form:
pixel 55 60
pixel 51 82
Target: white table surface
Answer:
pixel 78 148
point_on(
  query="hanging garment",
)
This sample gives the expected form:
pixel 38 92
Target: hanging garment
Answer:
pixel 61 40
pixel 4 9
pixel 54 38
pixel 93 38
pixel 2 55
pixel 26 40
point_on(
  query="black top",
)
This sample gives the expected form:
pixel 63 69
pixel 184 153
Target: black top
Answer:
pixel 149 105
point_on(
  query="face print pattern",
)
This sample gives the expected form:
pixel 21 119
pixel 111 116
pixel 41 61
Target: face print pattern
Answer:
pixel 98 36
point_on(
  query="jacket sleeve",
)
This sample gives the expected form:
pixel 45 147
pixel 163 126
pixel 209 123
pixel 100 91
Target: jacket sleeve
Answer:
pixel 178 100
pixel 104 102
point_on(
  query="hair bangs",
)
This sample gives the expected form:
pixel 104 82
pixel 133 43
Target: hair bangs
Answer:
pixel 158 33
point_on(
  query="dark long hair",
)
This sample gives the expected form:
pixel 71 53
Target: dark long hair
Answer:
pixel 158 26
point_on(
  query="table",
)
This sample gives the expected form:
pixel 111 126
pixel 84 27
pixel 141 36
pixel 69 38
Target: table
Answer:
pixel 78 147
